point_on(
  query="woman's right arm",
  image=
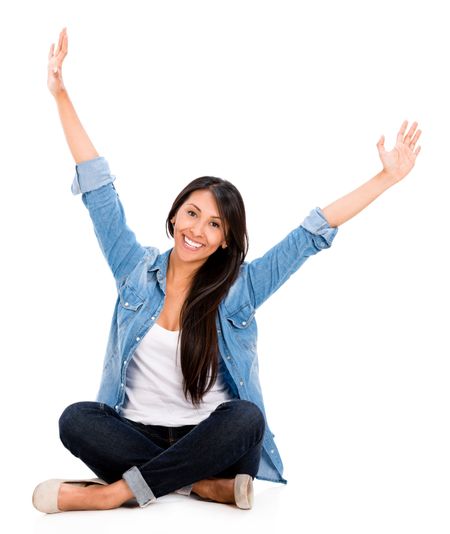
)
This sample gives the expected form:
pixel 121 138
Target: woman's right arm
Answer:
pixel 93 178
pixel 78 140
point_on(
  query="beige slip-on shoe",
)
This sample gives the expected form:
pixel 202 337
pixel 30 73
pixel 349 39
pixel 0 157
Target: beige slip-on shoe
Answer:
pixel 45 495
pixel 243 491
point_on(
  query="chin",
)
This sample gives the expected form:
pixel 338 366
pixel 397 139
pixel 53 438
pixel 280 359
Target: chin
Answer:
pixel 188 255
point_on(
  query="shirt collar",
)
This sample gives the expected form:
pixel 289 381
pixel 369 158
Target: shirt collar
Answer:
pixel 160 266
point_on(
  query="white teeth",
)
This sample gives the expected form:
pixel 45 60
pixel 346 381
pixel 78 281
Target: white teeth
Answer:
pixel 192 243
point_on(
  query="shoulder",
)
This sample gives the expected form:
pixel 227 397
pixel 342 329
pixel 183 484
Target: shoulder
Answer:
pixel 151 255
pixel 150 261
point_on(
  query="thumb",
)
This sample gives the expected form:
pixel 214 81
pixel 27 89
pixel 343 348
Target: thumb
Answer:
pixel 380 145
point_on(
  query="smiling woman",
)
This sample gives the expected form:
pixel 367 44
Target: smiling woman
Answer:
pixel 180 406
pixel 207 260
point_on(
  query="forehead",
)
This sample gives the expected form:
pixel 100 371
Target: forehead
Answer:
pixel 205 200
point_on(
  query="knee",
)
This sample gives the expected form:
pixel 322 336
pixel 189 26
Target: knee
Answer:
pixel 250 416
pixel 73 419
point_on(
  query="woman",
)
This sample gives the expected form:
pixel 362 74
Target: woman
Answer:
pixel 180 406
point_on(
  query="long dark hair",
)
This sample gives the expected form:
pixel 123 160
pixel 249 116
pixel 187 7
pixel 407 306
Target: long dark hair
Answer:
pixel 199 347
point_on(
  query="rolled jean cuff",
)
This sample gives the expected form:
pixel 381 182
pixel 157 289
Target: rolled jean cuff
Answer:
pixel 144 495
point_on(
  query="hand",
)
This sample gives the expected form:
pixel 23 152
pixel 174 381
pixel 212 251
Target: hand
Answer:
pixel 55 60
pixel 401 159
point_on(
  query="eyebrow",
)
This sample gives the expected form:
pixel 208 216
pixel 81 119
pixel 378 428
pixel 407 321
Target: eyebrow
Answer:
pixel 212 216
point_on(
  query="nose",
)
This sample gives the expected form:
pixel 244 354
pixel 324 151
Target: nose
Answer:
pixel 196 229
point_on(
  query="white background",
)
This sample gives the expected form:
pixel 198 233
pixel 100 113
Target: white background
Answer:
pixel 287 100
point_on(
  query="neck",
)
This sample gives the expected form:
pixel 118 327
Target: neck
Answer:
pixel 179 273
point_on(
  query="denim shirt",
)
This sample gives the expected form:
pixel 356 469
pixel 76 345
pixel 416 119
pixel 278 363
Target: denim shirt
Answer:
pixel 140 275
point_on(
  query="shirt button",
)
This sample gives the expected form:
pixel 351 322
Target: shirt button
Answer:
pixel 116 407
pixel 228 357
pixel 244 323
pixel 272 451
pixel 138 339
pixel 153 318
pixel 126 303
pixel 121 385
pixel 241 382
pixel 125 362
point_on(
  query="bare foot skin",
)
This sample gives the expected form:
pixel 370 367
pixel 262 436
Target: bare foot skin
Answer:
pixel 94 496
pixel 216 489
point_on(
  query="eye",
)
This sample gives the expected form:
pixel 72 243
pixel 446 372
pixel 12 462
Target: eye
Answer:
pixel 191 213
pixel 215 225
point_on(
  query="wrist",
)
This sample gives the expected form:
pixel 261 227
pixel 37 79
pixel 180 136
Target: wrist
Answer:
pixel 385 179
pixel 60 95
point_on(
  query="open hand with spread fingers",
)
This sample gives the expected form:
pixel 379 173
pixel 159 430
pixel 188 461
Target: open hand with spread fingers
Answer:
pixel 55 60
pixel 398 162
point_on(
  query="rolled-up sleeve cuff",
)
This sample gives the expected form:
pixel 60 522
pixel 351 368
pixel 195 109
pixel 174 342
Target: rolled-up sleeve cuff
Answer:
pixel 143 494
pixel 317 224
pixel 91 174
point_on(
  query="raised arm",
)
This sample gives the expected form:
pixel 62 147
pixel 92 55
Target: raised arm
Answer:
pixel 396 165
pixel 266 274
pixel 93 178
pixel 79 143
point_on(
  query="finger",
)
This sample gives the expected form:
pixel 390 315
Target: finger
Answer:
pixel 410 133
pixel 64 47
pixel 65 43
pixel 58 48
pixel 401 132
pixel 50 54
pixel 62 53
pixel 414 140
pixel 380 145
pixel 417 151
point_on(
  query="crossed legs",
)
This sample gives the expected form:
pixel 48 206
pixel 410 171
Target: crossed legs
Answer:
pixel 136 463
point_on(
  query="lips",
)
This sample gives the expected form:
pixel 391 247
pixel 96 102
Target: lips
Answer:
pixel 191 244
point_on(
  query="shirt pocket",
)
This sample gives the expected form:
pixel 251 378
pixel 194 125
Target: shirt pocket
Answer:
pixel 243 334
pixel 243 317
pixel 129 298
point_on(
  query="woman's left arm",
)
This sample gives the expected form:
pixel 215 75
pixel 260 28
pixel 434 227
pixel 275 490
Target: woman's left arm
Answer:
pixel 396 165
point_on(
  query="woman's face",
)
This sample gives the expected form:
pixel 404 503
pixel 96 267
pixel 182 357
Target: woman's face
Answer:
pixel 198 229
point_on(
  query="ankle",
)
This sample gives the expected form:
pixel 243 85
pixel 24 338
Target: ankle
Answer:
pixel 117 494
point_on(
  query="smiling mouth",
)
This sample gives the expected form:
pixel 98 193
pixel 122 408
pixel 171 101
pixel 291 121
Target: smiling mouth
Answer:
pixel 192 245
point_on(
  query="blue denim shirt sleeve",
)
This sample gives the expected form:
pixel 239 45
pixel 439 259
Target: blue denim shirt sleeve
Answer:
pixel 90 175
pixel 117 242
pixel 268 273
pixel 318 226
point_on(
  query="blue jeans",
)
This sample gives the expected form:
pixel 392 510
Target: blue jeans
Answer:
pixel 157 460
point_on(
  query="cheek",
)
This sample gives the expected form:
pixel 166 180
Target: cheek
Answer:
pixel 215 237
pixel 180 223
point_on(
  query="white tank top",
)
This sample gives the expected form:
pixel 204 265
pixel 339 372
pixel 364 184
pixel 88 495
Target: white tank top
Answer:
pixel 154 387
